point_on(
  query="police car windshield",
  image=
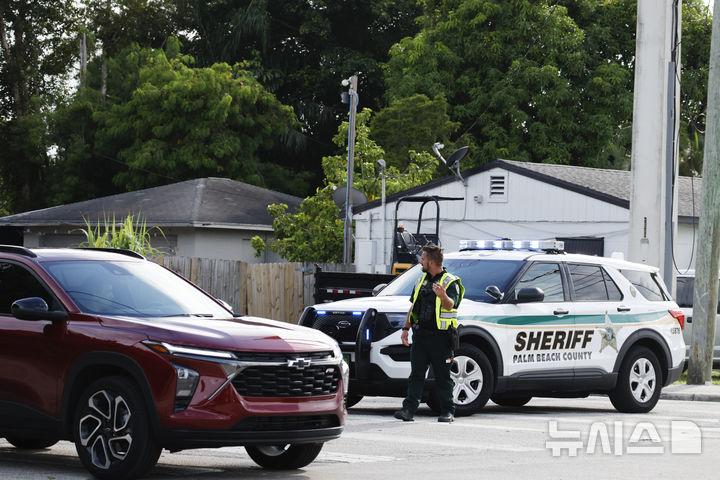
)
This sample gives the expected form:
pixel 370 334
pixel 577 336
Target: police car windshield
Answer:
pixel 476 276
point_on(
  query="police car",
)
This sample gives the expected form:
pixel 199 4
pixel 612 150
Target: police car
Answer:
pixel 535 321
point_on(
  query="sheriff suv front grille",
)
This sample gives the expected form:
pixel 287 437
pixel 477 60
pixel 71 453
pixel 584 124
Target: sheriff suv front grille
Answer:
pixel 343 326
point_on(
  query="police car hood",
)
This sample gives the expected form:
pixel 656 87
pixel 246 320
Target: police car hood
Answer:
pixel 380 303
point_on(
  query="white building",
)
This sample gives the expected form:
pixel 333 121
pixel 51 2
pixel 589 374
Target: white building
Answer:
pixel 588 207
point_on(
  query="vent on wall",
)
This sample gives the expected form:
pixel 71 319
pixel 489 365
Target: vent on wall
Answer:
pixel 498 187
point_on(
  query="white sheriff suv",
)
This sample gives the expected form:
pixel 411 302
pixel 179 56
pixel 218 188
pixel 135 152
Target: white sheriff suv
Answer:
pixel 534 322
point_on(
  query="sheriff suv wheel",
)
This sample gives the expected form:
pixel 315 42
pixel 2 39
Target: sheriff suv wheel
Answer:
pixel 639 382
pixel 111 430
pixel 284 457
pixel 472 375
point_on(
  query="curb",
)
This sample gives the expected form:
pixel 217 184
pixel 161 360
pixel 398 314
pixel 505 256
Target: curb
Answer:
pixel 697 397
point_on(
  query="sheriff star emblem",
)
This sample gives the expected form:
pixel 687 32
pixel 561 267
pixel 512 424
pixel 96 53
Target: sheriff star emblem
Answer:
pixel 609 334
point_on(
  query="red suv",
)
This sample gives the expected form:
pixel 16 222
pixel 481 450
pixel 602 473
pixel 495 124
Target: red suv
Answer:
pixel 125 358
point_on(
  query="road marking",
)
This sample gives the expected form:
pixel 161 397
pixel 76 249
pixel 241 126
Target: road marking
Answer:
pixel 371 437
pixel 337 457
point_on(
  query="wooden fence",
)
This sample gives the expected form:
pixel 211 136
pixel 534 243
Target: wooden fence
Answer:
pixel 273 290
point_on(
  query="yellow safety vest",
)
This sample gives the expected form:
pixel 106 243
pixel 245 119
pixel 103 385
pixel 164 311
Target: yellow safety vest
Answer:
pixel 444 318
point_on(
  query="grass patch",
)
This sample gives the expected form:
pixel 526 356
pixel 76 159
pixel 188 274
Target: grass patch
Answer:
pixel 715 378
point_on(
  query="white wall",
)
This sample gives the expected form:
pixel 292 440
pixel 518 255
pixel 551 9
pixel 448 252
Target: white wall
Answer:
pixel 223 244
pixel 530 209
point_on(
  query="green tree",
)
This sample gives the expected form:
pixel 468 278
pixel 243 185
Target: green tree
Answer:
pixel 510 70
pixel 411 123
pixel 315 231
pixel 300 51
pixel 35 51
pixel 164 120
pixel 695 51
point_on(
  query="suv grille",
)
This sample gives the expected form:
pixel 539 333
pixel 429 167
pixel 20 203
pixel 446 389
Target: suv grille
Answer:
pixel 286 381
pixel 343 326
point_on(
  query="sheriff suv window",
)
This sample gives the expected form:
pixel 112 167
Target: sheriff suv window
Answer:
pixel 647 284
pixel 592 284
pixel 546 277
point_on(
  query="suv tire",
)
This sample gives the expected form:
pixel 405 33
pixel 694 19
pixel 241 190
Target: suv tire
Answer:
pixel 639 382
pixel 112 432
pixel 352 400
pixel 284 457
pixel 25 443
pixel 472 374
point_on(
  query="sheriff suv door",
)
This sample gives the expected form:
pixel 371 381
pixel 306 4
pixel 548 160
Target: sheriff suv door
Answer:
pixel 537 334
pixel 600 309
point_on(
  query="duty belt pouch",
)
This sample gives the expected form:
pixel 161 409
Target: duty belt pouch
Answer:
pixel 454 337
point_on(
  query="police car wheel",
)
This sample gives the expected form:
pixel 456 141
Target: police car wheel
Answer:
pixel 639 382
pixel 473 377
pixel 352 400
pixel 510 400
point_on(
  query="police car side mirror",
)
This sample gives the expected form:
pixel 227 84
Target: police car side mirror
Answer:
pixel 378 288
pixel 530 295
pixel 494 292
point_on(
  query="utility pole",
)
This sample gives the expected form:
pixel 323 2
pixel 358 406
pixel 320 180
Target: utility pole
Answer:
pixel 705 296
pixel 653 211
pixel 353 99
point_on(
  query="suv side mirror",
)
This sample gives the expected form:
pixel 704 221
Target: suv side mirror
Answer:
pixel 494 292
pixel 35 308
pixel 530 295
pixel 378 288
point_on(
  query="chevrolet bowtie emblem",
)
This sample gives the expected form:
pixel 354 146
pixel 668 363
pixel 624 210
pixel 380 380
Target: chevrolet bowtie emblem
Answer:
pixel 299 363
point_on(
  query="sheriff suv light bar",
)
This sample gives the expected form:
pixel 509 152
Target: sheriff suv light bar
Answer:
pixel 556 246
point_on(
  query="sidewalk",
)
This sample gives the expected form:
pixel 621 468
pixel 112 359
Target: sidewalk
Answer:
pixel 699 393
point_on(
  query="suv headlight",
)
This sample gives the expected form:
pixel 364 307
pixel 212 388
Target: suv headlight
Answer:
pixel 396 320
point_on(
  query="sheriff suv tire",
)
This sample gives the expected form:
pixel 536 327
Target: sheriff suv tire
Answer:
pixel 474 381
pixel 639 382
pixel 112 430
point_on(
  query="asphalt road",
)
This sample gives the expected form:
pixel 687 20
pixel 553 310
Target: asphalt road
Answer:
pixel 548 438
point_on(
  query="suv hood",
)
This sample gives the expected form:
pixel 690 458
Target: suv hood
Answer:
pixel 389 304
pixel 237 334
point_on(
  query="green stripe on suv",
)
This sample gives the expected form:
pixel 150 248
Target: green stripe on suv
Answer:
pixel 565 320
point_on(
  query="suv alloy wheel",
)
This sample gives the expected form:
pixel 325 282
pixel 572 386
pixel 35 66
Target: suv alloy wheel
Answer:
pixel 111 430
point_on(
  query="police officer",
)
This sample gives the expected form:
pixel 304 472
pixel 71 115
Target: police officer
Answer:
pixel 435 300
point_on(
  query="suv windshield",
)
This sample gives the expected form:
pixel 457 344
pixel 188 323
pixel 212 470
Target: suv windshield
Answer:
pixel 476 275
pixel 136 289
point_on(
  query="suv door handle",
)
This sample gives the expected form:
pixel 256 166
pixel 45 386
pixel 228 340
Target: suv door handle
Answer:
pixel 561 312
pixel 623 308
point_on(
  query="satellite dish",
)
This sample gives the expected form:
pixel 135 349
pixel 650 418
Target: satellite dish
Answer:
pixel 356 196
pixel 453 160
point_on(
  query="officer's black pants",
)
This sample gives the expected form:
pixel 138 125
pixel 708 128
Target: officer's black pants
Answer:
pixel 430 348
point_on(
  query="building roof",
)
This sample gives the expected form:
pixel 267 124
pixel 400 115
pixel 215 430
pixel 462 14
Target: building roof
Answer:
pixel 203 202
pixel 611 186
